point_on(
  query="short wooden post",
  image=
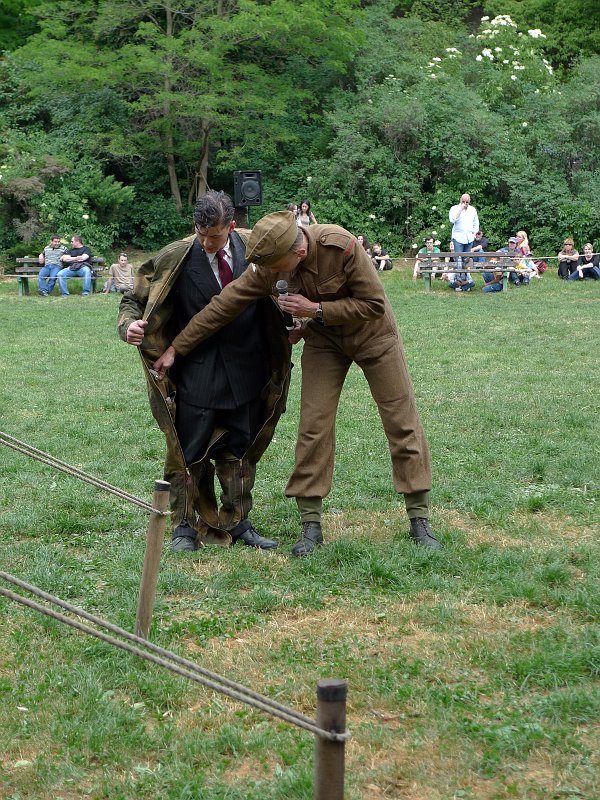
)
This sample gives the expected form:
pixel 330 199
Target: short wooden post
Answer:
pixel 329 756
pixel 154 543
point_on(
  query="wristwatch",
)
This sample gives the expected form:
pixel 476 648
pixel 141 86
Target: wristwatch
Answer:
pixel 319 314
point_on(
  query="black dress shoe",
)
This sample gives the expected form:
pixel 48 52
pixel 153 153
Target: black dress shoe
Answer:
pixel 184 538
pixel 252 538
pixel 312 537
pixel 421 533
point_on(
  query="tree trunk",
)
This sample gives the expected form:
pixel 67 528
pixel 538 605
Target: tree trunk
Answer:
pixel 199 183
pixel 168 142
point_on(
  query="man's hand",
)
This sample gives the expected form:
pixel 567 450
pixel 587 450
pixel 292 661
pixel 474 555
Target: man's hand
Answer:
pixel 297 333
pixel 136 332
pixel 164 362
pixel 297 305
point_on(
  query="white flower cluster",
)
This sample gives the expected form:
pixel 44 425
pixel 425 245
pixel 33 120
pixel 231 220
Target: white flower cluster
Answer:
pixel 536 34
pixel 503 20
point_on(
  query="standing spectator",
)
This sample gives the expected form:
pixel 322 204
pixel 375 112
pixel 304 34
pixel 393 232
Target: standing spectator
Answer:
pixel 120 276
pixel 380 258
pixel 567 259
pixel 305 216
pixel 51 265
pixel 588 265
pixel 428 260
pixel 465 223
pixel 80 259
pixel 347 320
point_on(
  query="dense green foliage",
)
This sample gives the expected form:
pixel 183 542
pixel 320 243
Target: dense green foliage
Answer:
pixel 115 116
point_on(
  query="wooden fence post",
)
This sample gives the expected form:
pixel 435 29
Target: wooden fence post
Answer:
pixel 329 756
pixel 154 543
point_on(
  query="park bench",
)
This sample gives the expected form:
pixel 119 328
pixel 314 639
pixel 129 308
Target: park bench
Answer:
pixel 31 267
pixel 490 262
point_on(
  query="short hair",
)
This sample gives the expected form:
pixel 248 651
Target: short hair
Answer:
pixel 214 210
pixel 428 239
pixel 54 236
pixel 123 254
pixel 77 238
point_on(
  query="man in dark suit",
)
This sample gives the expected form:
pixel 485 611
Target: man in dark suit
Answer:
pixel 225 409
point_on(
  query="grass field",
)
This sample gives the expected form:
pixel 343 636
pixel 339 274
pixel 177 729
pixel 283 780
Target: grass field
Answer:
pixel 473 672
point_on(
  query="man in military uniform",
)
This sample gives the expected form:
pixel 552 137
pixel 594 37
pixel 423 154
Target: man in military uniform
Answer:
pixel 219 408
pixel 345 317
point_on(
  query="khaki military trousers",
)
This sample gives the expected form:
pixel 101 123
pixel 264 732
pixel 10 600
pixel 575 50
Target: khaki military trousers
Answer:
pixel 326 359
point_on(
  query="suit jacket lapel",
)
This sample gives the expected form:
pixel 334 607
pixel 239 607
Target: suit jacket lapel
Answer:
pixel 201 274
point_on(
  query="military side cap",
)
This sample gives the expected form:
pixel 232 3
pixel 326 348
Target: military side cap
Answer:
pixel 272 237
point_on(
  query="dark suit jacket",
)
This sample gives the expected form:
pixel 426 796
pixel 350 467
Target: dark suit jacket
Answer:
pixel 230 368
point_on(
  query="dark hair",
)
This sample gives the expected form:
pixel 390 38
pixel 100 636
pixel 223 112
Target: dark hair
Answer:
pixel 302 202
pixel 54 236
pixel 213 210
pixel 365 241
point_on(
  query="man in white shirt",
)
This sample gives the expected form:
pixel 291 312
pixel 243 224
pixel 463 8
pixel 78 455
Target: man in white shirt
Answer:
pixel 465 224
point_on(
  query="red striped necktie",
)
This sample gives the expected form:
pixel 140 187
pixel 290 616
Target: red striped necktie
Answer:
pixel 225 273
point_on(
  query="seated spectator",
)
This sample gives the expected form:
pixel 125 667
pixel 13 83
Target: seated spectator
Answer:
pixel 364 244
pixel 461 281
pixel 120 276
pixel 512 258
pixel 480 245
pixel 567 259
pixel 293 208
pixel 588 265
pixel 50 259
pixel 80 259
pixel 429 260
pixel 529 269
pixel 492 279
pixel 380 258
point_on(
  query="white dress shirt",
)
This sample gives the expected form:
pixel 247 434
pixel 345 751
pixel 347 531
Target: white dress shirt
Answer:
pixel 466 226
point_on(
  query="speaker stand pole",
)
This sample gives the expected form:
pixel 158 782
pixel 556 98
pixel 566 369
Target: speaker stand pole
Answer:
pixel 241 217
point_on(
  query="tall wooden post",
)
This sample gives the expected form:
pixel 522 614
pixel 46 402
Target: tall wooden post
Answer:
pixel 330 756
pixel 154 543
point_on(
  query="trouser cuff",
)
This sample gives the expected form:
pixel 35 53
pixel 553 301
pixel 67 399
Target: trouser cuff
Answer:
pixel 417 504
pixel 310 508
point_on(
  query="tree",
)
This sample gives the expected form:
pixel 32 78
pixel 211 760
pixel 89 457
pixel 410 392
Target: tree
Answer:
pixel 200 81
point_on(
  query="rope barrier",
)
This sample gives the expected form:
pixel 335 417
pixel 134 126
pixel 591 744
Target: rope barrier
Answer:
pixel 62 466
pixel 164 658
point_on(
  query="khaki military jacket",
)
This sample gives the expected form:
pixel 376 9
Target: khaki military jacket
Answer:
pixel 336 272
pixel 151 300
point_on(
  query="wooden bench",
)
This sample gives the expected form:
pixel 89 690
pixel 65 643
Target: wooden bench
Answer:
pixel 492 262
pixel 31 269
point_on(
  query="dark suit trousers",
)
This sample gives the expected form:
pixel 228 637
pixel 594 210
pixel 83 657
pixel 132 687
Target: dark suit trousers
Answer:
pixel 196 425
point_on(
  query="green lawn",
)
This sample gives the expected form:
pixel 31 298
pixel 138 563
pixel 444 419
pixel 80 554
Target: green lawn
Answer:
pixel 473 672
